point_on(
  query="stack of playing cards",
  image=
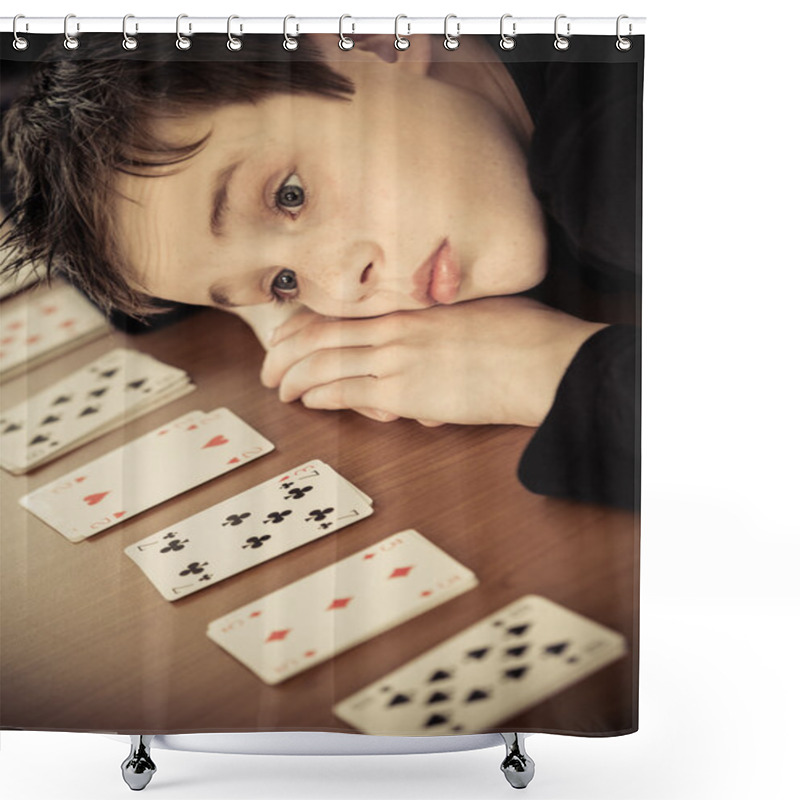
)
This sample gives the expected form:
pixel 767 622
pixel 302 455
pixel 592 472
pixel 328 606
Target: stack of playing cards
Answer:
pixel 340 606
pixel 262 523
pixel 13 284
pixel 493 670
pixel 147 471
pixel 116 388
pixel 43 321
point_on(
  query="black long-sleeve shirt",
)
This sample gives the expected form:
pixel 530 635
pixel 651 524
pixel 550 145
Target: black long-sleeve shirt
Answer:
pixel 585 168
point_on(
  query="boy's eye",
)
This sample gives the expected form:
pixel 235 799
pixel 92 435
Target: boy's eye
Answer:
pixel 285 282
pixel 290 194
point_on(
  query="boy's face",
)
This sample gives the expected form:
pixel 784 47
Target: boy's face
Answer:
pixel 340 205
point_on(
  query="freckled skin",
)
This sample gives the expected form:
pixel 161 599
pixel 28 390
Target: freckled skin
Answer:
pixel 412 158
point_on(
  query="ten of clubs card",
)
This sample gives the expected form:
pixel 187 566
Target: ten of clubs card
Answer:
pixel 147 471
pixel 493 670
pixel 340 606
pixel 288 511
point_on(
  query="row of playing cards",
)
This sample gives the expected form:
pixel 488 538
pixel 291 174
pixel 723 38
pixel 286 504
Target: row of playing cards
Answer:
pixel 163 463
pixel 43 321
pixel 261 523
pixel 511 660
pixel 115 389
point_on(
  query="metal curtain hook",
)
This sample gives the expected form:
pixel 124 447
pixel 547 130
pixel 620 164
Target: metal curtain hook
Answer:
pixel 623 44
pixel 400 42
pixel 451 42
pixel 288 42
pixel 508 42
pixel 345 43
pixel 182 42
pixel 20 42
pixel 561 43
pixel 129 42
pixel 70 42
pixel 234 43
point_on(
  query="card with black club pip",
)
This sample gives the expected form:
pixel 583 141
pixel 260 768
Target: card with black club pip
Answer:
pixel 43 321
pixel 495 669
pixel 340 606
pixel 296 507
pixel 146 471
pixel 114 389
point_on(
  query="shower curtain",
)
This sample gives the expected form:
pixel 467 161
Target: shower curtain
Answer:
pixel 321 378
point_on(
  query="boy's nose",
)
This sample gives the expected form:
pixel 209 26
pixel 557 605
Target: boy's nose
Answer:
pixel 354 284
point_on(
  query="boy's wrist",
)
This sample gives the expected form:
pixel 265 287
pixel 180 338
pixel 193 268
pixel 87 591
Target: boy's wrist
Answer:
pixel 264 318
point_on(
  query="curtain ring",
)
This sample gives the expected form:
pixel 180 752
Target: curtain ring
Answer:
pixel 182 42
pixel 234 43
pixel 70 42
pixel 508 42
pixel 400 42
pixel 345 43
pixel 623 44
pixel 288 42
pixel 561 43
pixel 451 42
pixel 129 42
pixel 20 42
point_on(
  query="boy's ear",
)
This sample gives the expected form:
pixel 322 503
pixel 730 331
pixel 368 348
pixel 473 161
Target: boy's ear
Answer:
pixel 415 58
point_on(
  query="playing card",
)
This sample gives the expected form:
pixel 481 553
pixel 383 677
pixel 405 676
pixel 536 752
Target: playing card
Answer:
pixel 115 388
pixel 43 321
pixel 493 670
pixel 340 606
pixel 261 523
pixel 146 471
pixel 14 283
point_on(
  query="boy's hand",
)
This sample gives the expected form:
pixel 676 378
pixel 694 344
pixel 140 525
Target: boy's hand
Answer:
pixel 493 360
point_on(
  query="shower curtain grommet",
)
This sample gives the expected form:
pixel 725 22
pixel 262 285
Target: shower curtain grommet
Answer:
pixel 507 42
pixel 623 44
pixel 129 42
pixel 451 40
pixel 70 42
pixel 400 42
pixel 234 44
pixel 561 42
pixel 345 42
pixel 182 42
pixel 20 42
pixel 289 43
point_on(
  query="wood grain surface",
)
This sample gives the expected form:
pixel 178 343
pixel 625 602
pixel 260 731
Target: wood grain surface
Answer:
pixel 88 644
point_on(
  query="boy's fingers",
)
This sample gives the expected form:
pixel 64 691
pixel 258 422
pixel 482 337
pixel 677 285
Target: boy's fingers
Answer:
pixel 358 392
pixel 327 366
pixel 296 322
pixel 377 414
pixel 310 338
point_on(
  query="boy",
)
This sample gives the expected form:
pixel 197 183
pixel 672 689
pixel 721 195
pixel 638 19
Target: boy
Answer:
pixel 388 222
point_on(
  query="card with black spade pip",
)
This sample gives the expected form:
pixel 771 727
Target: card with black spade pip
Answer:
pixel 493 670
pixel 263 522
pixel 114 389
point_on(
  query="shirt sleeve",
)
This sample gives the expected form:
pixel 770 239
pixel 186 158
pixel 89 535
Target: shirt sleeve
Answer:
pixel 588 446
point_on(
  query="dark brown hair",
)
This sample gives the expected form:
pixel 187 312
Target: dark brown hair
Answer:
pixel 84 116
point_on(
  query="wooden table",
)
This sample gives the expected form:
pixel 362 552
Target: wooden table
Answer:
pixel 88 644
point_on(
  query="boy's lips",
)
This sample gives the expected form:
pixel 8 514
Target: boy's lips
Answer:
pixel 439 278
